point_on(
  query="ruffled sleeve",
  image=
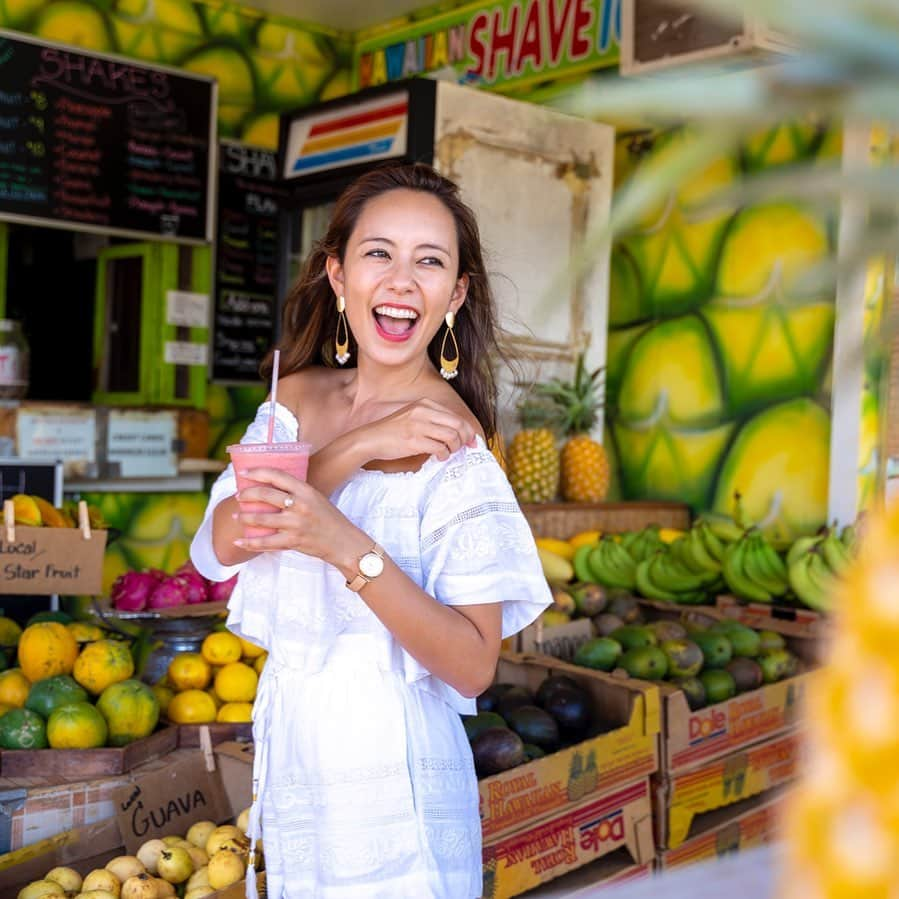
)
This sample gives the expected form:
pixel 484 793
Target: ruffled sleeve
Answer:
pixel 202 553
pixel 476 544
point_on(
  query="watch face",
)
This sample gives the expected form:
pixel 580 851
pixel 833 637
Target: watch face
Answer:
pixel 371 565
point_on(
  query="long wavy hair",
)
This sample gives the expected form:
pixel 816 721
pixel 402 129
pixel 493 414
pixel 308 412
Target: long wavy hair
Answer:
pixel 309 324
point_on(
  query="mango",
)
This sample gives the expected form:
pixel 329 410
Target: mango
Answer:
pixel 51 516
pixel 26 510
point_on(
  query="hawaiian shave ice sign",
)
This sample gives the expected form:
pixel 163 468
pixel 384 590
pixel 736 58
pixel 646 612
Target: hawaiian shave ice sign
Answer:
pixel 503 46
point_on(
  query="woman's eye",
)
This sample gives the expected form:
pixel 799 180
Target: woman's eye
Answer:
pixel 433 260
pixel 379 254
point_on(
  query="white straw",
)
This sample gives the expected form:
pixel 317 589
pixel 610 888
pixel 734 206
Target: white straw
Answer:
pixel 274 400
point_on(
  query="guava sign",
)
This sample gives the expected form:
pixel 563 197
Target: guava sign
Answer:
pixel 504 46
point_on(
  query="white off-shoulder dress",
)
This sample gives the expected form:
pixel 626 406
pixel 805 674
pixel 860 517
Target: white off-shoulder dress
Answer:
pixel 364 777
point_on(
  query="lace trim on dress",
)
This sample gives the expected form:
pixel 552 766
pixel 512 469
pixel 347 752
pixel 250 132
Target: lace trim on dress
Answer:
pixel 468 515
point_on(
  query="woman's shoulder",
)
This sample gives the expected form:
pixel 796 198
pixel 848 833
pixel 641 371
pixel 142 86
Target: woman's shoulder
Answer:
pixel 310 387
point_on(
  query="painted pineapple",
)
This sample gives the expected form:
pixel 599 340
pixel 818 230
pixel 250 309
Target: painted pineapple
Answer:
pixel 585 465
pixel 532 458
pixel 842 822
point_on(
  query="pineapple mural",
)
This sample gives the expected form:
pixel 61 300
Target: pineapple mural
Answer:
pixel 719 346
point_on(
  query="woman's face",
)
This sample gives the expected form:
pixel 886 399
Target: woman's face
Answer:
pixel 399 275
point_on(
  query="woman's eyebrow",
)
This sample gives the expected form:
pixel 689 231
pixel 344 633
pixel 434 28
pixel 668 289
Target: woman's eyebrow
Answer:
pixel 421 246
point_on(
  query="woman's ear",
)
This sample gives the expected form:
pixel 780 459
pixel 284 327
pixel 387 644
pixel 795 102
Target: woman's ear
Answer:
pixel 459 294
pixel 335 274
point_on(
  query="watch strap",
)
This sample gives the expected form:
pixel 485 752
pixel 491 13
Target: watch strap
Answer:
pixel 360 580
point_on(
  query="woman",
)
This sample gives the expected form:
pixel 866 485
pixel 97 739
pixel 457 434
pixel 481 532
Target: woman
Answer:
pixel 395 571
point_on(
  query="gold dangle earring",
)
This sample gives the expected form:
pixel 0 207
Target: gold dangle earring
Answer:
pixel 342 347
pixel 449 368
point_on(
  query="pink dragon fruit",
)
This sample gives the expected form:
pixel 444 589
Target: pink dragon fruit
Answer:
pixel 131 591
pixel 197 586
pixel 173 591
pixel 221 590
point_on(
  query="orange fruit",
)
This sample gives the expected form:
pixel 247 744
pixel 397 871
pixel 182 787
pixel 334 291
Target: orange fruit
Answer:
pixel 47 648
pixel 250 650
pixel 102 663
pixel 163 696
pixel 236 712
pixel 221 648
pixel 236 683
pixel 191 707
pixel 14 687
pixel 189 671
pixel 85 632
pixel 130 710
pixel 76 725
pixel 9 632
pixel 259 664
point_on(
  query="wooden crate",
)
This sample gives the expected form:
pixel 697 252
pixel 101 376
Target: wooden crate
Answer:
pixel 564 520
pixel 189 735
pixel 79 764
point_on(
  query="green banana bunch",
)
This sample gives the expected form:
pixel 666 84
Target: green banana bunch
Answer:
pixel 663 576
pixel 612 565
pixel 835 553
pixel 764 566
pixel 848 536
pixel 645 581
pixel 738 578
pixel 812 580
pixel 713 545
pixel 802 545
pixel 693 552
pixel 644 543
pixel 724 528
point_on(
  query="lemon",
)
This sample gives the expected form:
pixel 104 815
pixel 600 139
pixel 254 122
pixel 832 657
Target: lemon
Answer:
pixel 250 650
pixel 9 632
pixel 221 648
pixel 189 671
pixel 235 712
pixel 191 707
pixel 236 683
pixel 259 664
pixel 14 687
pixel 163 696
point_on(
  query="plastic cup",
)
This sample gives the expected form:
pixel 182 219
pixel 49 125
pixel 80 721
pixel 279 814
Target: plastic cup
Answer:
pixel 292 458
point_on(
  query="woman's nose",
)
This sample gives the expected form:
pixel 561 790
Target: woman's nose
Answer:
pixel 400 278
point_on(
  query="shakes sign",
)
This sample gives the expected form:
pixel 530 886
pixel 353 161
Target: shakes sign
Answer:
pixel 505 46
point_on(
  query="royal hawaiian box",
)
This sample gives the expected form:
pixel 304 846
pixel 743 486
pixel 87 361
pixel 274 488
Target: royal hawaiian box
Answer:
pixel 622 749
pixel 751 822
pixel 683 799
pixel 581 834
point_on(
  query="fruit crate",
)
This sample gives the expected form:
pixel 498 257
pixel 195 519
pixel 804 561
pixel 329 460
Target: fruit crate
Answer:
pixel 610 870
pixel 624 752
pixel 191 735
pixel 748 823
pixel 686 802
pixel 591 829
pixel 792 620
pixel 564 520
pixel 78 764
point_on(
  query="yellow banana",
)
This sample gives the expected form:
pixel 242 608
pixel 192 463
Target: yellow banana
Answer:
pixel 555 568
pixel 584 538
pixel 560 547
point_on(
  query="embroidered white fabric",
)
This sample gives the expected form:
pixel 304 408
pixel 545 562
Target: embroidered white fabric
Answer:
pixel 369 785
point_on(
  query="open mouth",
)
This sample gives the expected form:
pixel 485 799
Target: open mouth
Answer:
pixel 395 322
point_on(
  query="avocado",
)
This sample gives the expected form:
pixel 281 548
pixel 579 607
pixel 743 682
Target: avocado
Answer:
pixel 605 623
pixel 693 690
pixel 563 602
pixel 744 640
pixel 589 599
pixel 716 648
pixel 685 658
pixel 496 749
pixel 747 673
pixel 600 653
pixel 646 662
pixel 572 710
pixel 477 724
pixel 719 685
pixel 667 630
pixel 512 698
pixel 769 640
pixel 626 608
pixel 489 699
pixel 633 636
pixel 532 752
pixel 554 682
pixel 777 665
pixel 535 726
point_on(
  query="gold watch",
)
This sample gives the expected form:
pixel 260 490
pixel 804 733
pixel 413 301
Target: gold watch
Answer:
pixel 370 566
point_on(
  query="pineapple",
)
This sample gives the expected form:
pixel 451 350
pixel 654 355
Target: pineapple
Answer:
pixel 585 465
pixel 532 458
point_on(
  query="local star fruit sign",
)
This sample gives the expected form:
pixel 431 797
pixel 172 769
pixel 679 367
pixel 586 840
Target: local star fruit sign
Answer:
pixel 504 46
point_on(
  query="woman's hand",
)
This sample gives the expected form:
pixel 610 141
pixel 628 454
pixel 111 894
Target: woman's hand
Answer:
pixel 304 519
pixel 422 428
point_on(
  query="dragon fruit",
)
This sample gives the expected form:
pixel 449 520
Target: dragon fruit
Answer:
pixel 132 591
pixel 173 591
pixel 198 586
pixel 221 590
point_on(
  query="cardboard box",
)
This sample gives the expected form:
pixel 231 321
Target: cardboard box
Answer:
pixel 789 620
pixel 681 799
pixel 516 798
pixel 580 834
pixel 611 870
pixel 163 801
pixel 749 823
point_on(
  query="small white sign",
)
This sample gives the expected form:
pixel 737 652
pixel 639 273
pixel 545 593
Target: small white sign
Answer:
pixel 70 436
pixel 188 309
pixel 180 352
pixel 142 443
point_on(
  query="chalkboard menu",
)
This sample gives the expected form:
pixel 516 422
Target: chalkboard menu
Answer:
pixel 99 143
pixel 246 261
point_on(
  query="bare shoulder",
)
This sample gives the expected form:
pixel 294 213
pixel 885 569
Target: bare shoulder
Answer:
pixel 446 396
pixel 308 393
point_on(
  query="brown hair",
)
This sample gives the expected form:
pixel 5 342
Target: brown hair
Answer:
pixel 309 323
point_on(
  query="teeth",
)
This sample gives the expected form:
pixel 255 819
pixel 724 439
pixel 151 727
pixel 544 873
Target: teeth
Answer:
pixel 393 312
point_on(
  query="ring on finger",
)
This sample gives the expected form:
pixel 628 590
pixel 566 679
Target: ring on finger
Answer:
pixel 288 501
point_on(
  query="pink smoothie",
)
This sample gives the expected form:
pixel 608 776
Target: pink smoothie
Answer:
pixel 292 458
